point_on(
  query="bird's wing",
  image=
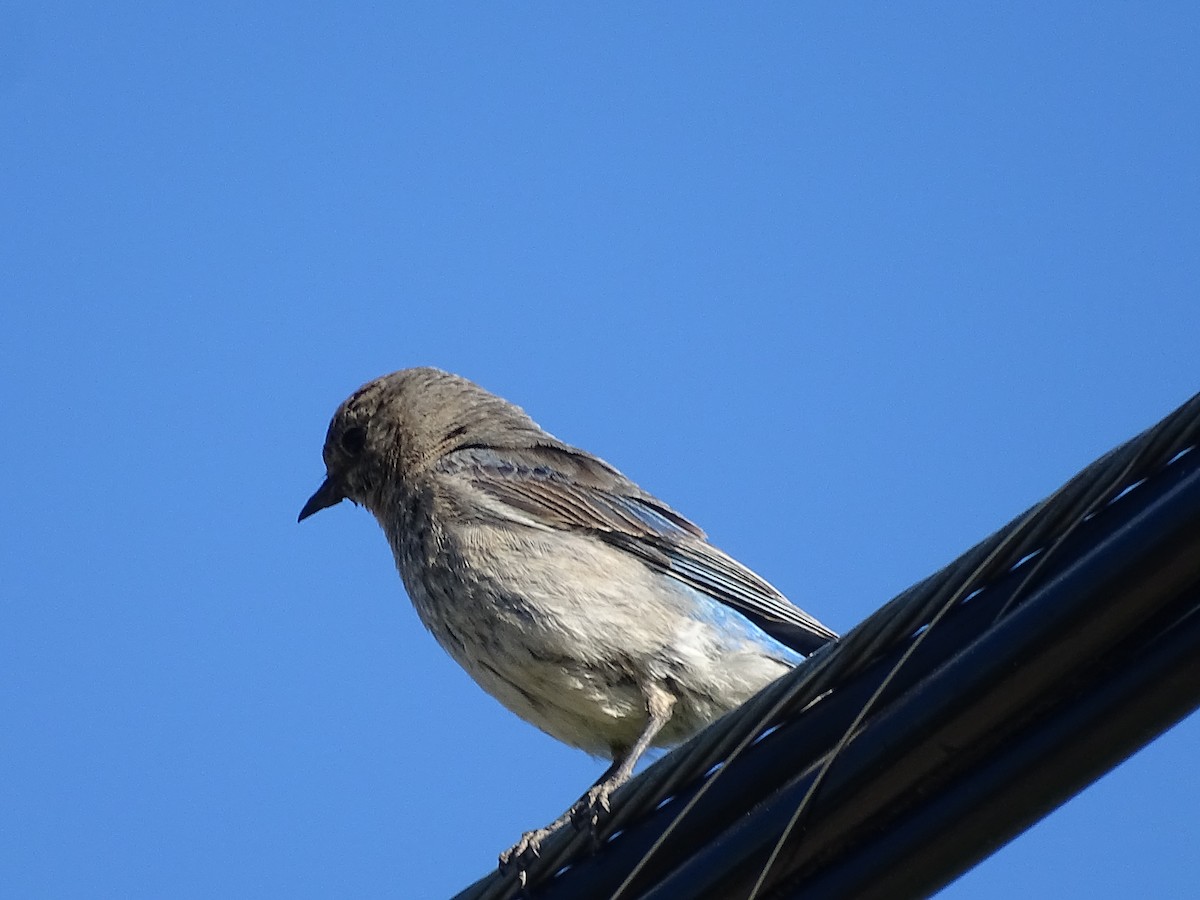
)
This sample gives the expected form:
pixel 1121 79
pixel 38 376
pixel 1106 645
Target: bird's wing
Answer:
pixel 560 487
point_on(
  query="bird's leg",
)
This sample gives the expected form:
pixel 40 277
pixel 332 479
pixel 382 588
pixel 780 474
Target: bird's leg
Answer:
pixel 585 812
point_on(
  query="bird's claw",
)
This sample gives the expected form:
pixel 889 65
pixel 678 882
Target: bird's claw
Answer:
pixel 520 855
pixel 585 814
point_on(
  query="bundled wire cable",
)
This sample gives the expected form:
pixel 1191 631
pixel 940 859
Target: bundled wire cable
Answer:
pixel 943 725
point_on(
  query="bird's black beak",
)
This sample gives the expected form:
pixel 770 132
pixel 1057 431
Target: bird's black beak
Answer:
pixel 328 494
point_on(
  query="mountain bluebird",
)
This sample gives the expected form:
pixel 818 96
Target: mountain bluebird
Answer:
pixel 585 605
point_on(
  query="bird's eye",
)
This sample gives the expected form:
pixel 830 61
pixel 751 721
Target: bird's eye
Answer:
pixel 353 440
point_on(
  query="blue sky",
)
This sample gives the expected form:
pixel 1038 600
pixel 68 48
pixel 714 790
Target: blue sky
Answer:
pixel 850 288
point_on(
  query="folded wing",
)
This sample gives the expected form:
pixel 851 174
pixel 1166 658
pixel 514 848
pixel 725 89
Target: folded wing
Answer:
pixel 560 487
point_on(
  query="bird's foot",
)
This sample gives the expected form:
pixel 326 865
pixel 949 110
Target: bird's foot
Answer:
pixel 584 815
pixel 520 855
pixel 586 811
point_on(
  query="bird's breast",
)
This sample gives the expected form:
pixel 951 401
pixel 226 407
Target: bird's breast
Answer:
pixel 566 630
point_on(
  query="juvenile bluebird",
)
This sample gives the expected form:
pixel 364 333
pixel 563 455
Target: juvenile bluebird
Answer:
pixel 585 605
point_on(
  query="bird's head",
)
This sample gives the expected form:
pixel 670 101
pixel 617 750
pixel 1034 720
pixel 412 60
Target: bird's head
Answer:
pixel 392 429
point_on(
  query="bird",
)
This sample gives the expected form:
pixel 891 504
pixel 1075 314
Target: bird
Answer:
pixel 584 604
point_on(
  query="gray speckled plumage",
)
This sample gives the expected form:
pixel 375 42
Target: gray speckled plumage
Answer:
pixel 582 603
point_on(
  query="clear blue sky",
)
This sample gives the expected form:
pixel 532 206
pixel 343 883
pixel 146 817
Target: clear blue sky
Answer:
pixel 849 288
